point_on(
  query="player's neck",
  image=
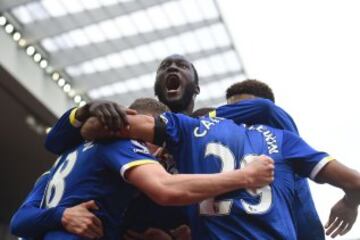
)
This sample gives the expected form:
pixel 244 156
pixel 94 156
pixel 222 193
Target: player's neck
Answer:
pixel 189 109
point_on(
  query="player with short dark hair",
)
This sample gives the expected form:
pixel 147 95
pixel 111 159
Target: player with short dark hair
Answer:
pixel 249 87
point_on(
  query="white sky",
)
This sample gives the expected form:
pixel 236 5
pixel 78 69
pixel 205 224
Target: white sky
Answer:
pixel 309 52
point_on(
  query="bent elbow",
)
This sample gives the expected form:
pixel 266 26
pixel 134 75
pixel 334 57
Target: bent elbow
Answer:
pixel 355 184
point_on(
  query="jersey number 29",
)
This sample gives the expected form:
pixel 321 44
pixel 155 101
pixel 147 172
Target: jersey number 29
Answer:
pixel 223 207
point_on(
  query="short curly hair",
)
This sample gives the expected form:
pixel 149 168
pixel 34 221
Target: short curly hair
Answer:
pixel 253 87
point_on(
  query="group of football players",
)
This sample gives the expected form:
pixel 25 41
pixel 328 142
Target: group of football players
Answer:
pixel 159 170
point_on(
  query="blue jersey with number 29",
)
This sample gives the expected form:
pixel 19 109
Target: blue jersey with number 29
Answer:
pixel 208 145
pixel 92 172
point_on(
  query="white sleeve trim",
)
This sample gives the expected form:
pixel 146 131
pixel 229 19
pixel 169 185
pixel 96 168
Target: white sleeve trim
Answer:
pixel 320 165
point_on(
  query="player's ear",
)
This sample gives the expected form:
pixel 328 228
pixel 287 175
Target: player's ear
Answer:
pixel 197 89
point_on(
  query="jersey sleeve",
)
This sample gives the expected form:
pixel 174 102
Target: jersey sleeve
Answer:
pixel 65 134
pixel 305 160
pixel 31 221
pixel 122 155
pixel 174 129
pixel 257 111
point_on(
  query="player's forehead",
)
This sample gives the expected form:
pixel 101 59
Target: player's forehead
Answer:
pixel 175 58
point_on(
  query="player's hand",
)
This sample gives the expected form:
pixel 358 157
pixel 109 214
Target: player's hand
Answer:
pixel 111 114
pixel 81 221
pixel 183 232
pixel 93 129
pixel 341 219
pixel 259 172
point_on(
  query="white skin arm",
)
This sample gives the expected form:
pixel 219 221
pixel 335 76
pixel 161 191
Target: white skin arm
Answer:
pixel 184 189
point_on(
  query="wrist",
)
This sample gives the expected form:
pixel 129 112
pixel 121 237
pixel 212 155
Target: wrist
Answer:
pixel 350 201
pixel 59 215
pixel 82 113
pixel 243 178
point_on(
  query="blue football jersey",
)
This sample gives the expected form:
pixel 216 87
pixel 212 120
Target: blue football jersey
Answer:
pixel 257 111
pixel 263 111
pixel 92 172
pixel 209 145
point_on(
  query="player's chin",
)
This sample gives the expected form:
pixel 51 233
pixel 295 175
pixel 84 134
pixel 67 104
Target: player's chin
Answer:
pixel 175 96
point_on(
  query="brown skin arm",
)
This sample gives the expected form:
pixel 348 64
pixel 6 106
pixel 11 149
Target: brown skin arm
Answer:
pixel 141 127
pixel 111 114
pixel 344 213
pixel 339 175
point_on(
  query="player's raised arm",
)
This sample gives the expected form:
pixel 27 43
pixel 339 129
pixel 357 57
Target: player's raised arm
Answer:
pixel 257 111
pixel 141 127
pixel 65 134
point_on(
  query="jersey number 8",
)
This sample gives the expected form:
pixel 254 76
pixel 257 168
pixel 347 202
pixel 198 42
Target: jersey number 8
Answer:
pixel 56 186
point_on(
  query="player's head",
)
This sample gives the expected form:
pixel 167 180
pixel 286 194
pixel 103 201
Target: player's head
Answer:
pixel 202 111
pixel 249 89
pixel 177 83
pixel 149 106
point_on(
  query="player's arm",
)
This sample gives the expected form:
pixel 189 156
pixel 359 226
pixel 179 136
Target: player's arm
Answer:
pixel 341 176
pixel 257 111
pixel 184 189
pixel 31 221
pixel 65 134
pixel 344 213
pixel 136 165
pixel 141 127
pixel 323 169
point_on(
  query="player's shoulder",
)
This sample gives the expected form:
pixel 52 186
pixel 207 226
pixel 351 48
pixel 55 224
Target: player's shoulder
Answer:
pixel 112 143
pixel 122 144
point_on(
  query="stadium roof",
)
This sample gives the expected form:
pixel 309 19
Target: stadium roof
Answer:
pixel 111 48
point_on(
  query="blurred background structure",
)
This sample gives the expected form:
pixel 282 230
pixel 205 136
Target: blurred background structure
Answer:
pixel 56 54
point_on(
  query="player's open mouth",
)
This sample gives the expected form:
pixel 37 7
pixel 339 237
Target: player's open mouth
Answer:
pixel 172 83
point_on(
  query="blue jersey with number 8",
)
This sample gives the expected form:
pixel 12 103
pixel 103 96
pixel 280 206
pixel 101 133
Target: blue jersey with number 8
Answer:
pixel 92 172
